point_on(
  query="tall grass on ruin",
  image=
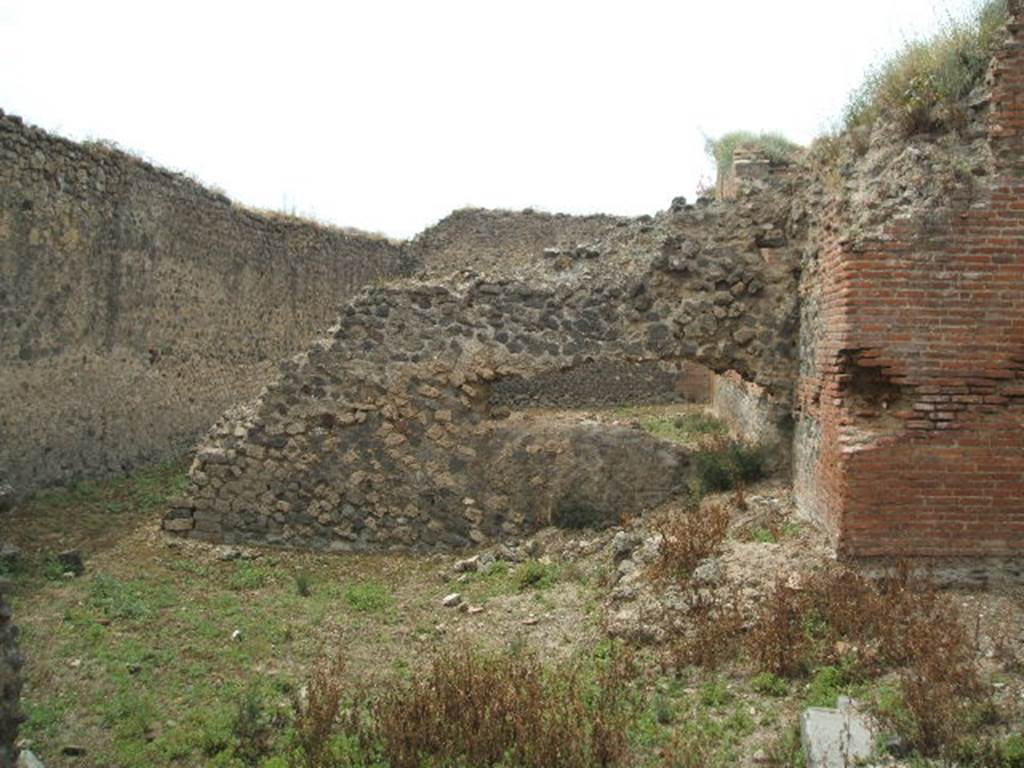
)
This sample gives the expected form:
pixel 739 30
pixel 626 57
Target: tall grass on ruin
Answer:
pixel 924 86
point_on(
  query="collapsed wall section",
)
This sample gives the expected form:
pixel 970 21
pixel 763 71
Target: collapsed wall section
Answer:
pixel 135 305
pixel 390 430
pixel 911 432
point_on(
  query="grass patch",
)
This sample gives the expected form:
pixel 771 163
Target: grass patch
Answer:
pixel 369 597
pixel 924 85
pixel 684 428
pixel 247 577
pixel 142 491
pixel 502 578
pixel 120 599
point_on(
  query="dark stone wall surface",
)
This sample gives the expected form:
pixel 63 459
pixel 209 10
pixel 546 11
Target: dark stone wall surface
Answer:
pixel 136 305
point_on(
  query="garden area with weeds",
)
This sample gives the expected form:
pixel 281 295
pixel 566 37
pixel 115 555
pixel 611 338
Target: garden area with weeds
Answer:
pixel 693 636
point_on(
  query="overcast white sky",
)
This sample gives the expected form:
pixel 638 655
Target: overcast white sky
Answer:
pixel 387 114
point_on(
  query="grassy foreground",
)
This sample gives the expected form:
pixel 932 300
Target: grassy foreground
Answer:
pixel 166 654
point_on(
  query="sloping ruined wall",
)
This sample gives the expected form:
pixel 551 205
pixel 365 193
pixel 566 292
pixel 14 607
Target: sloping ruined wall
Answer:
pixel 135 305
pixel 382 433
pixel 481 240
pixel 912 393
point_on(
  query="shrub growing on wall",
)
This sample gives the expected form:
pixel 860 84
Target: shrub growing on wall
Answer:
pixel 776 146
pixel 924 85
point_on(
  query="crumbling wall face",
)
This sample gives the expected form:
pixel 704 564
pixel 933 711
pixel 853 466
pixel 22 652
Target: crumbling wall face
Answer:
pixel 754 417
pixel 917 399
pixel 385 432
pixel 135 306
pixel 10 686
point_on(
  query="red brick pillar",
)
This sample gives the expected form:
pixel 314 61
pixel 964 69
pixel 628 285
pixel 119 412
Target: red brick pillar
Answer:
pixel 919 384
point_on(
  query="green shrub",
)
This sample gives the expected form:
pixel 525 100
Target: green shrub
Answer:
pixel 776 146
pixel 725 467
pixel 924 84
pixel 252 727
pixel 715 693
pixel 826 686
pixel 770 684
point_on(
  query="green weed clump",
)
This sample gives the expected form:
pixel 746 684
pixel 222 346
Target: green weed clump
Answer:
pixel 924 85
pixel 533 574
pixel 118 599
pixel 726 466
pixel 369 597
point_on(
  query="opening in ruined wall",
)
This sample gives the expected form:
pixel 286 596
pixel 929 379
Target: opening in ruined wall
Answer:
pixel 866 387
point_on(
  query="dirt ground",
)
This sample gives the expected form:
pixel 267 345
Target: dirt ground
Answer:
pixel 141 660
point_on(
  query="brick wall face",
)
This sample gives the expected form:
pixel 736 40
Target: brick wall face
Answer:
pixel 918 384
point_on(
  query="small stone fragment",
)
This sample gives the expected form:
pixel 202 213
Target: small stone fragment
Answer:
pixel 467 565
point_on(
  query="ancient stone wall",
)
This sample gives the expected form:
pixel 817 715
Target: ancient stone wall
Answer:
pixel 912 408
pixel 135 305
pixel 595 383
pixel 390 432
